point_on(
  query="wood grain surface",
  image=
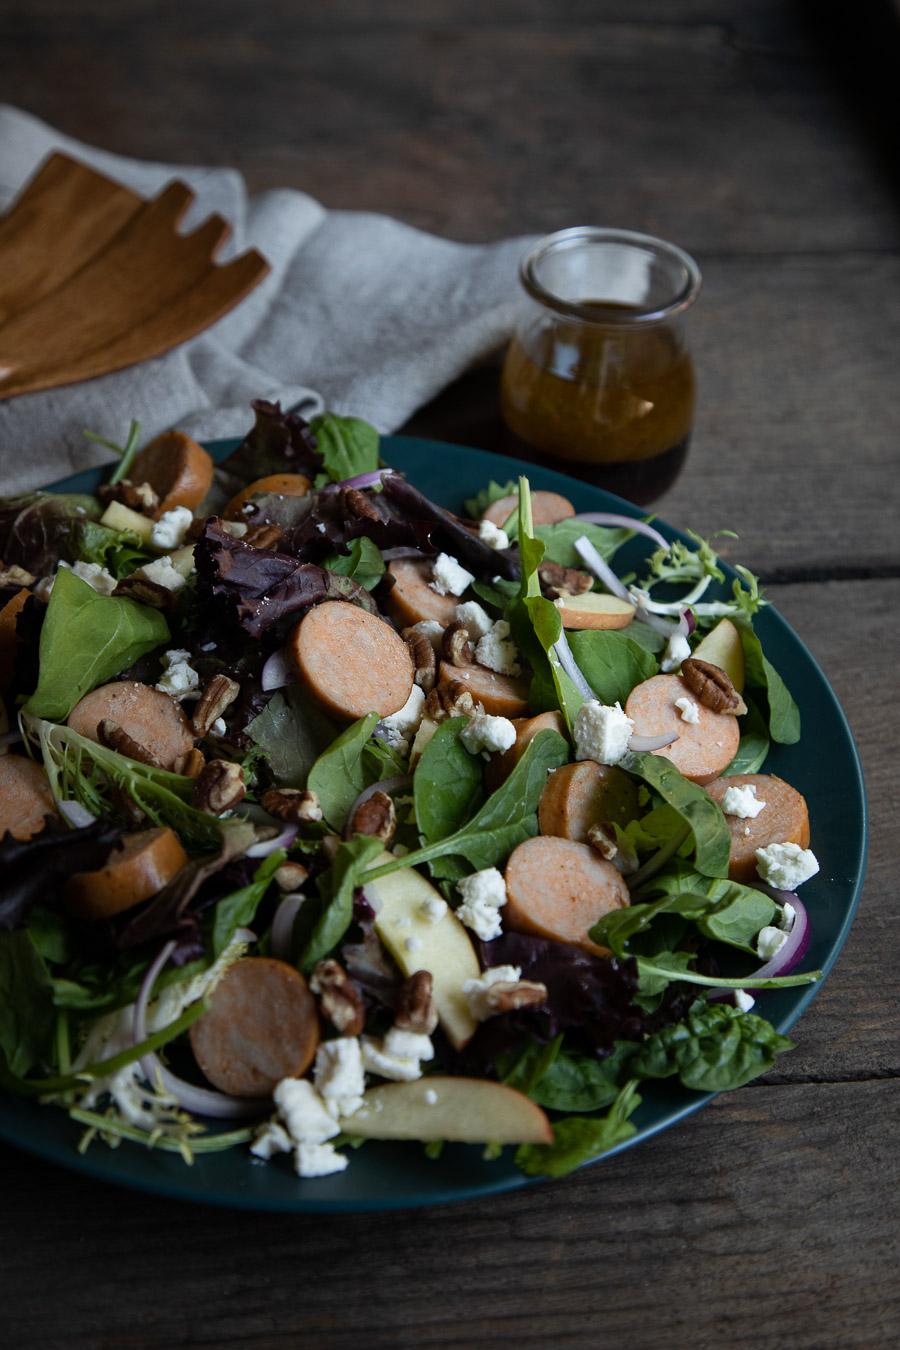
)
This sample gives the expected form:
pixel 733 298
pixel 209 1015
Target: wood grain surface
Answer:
pixel 739 129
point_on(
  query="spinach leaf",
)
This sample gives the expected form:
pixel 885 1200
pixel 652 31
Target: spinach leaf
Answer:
pixel 739 915
pixel 348 445
pixel 784 716
pixel 119 551
pixel 617 929
pixel 754 743
pixel 559 540
pixel 578 1139
pixel 496 593
pixel 27 1015
pixel 576 1082
pixel 338 775
pixel 328 921
pixel 447 784
pixel 712 837
pixel 714 1047
pixel 363 563
pixel 476 506
pixel 668 966
pixel 525 1069
pixel 291 732
pixel 237 910
pixel 86 639
pixel 611 663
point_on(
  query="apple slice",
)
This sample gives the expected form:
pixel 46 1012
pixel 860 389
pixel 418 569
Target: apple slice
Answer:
pixel 594 610
pixel 119 517
pixel 467 1110
pixel 722 647
pixel 417 941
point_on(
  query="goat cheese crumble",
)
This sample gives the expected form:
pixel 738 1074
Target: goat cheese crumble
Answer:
pixel 742 802
pixel 688 709
pixel 492 535
pixel 484 895
pixel 786 866
pixel 486 735
pixel 475 991
pixel 602 732
pixel 449 577
pixel 168 532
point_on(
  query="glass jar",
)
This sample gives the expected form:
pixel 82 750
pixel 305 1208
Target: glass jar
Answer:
pixel 598 380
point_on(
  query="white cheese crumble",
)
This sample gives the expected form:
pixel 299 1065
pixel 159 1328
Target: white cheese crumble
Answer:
pixel 743 1001
pixel 318 1160
pixel 602 732
pixel 769 942
pixel 485 735
pixel 433 909
pixel 449 577
pixel 688 709
pixel 475 991
pixel 785 920
pixel 168 532
pixel 492 535
pixel 432 630
pixel 402 725
pixel 786 866
pixel 162 573
pixel 272 1138
pixel 398 1056
pixel 742 802
pixel 413 945
pixel 477 621
pixel 98 578
pixel 678 649
pixel 338 1075
pixel 430 1097
pixel 179 679
pixel 484 895
pixel 218 727
pixel 303 1111
pixel 497 651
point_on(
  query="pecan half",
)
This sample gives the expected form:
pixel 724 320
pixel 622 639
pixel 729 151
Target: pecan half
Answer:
pixel 414 1008
pixel 353 503
pixel 218 695
pixel 557 580
pixel 218 786
pixel 136 496
pixel 455 644
pixel 423 658
pixel 291 876
pixel 293 805
pixel 263 536
pixel 114 737
pixel 339 999
pixel 189 765
pixel 602 838
pixel 15 576
pixel 712 686
pixel 509 996
pixel 376 816
pixel 450 698
pixel 147 592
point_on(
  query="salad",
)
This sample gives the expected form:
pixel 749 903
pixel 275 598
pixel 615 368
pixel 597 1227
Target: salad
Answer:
pixel 328 815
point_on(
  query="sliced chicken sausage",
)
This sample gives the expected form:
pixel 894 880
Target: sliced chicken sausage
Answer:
pixel 783 820
pixel 178 469
pixel 144 863
pixel 262 1026
pixel 559 889
pixel 580 795
pixel 284 484
pixel 546 508
pixel 9 639
pixel 499 767
pixel 25 797
pixel 412 600
pixel 500 695
pixel 351 662
pixel 149 717
pixel 704 747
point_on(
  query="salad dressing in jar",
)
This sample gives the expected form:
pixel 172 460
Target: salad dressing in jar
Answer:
pixel 598 380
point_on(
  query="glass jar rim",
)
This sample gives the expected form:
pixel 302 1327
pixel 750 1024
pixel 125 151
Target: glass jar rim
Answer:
pixel 563 240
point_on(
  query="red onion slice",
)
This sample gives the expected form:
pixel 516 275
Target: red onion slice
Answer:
pixel 624 522
pixel 277 672
pixel 601 569
pixel 283 839
pixel 388 785
pixel 642 743
pixel 361 480
pixel 76 814
pixel 283 926
pixel 570 666
pixel 790 953
pixel 10 737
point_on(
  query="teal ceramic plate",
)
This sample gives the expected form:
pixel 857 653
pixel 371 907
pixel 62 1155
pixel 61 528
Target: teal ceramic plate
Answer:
pixel 824 766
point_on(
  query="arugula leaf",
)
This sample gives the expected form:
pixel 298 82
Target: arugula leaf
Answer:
pixel 363 563
pixel 328 922
pixel 86 639
pixel 578 1139
pixel 348 445
pixel 611 663
pixel 753 746
pixel 291 732
pixel 712 837
pixel 475 507
pixel 338 775
pixel 27 1015
pixel 784 716
pixel 559 540
pixel 576 1082
pixel 237 910
pixel 713 1048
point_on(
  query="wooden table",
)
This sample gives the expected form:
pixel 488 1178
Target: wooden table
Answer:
pixel 771 1218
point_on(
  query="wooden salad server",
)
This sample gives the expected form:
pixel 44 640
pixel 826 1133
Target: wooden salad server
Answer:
pixel 94 278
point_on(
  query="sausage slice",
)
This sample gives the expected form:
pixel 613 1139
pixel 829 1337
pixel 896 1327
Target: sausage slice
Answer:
pixel 546 508
pixel 704 748
pixel 350 661
pixel 559 889
pixel 148 716
pixel 25 797
pixel 783 820
pixel 285 484
pixel 145 863
pixel 501 695
pixel 412 599
pixel 178 469
pixel 262 1027
pixel 580 795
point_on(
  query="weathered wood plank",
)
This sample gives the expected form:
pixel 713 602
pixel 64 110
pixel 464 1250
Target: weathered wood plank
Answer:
pixel 769 1218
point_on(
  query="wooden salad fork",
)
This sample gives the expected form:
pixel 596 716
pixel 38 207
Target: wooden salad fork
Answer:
pixel 94 278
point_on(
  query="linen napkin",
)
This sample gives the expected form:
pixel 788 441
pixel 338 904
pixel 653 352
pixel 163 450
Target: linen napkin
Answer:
pixel 360 314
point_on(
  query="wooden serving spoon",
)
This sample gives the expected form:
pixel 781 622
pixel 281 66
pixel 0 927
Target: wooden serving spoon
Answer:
pixel 94 278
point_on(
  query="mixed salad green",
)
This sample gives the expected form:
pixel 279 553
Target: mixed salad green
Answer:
pixel 96 1012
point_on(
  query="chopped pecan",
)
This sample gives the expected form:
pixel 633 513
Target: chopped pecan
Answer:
pixel 218 695
pixel 339 999
pixel 424 662
pixel 218 786
pixel 136 496
pixel 455 644
pixel 189 765
pixel 414 1008
pixel 15 576
pixel 712 686
pixel 602 838
pixel 557 581
pixel 375 816
pixel 450 698
pixel 353 503
pixel 291 876
pixel 263 536
pixel 114 737
pixel 147 592
pixel 509 996
pixel 293 805
pixel 127 807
